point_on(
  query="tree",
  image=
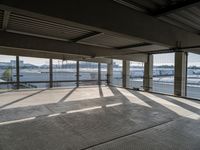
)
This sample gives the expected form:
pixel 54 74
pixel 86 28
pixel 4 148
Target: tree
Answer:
pixel 7 75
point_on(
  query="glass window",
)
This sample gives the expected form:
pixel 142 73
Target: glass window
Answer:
pixel 33 71
pixel 88 72
pixel 163 73
pixel 136 75
pixel 117 72
pixel 7 72
pixel 193 76
pixel 64 70
pixel 104 73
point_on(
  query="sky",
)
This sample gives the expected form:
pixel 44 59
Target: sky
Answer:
pixel 168 59
pixel 159 59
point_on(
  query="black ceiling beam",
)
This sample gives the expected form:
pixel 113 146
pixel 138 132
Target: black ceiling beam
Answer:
pixel 132 4
pixel 134 45
pixel 175 7
pixel 85 36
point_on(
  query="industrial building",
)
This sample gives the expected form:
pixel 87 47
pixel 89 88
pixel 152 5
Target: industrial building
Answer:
pixel 100 74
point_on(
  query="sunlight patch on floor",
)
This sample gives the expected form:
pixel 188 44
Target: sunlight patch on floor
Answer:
pixel 186 101
pixel 132 98
pixel 171 106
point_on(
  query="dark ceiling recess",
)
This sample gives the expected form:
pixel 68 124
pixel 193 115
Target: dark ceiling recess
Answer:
pixel 181 13
pixel 134 45
pixel 175 7
pixel 1 19
pixel 157 7
pixel 85 36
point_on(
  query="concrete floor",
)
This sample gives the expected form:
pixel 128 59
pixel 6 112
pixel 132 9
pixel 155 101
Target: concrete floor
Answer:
pixel 94 117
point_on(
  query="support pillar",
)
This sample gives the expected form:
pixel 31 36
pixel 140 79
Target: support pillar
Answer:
pixel 125 73
pixel 17 73
pixel 148 74
pixel 50 72
pixel 99 73
pixel 109 73
pixel 77 74
pixel 180 73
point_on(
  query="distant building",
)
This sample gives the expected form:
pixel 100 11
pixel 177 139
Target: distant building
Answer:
pixel 13 63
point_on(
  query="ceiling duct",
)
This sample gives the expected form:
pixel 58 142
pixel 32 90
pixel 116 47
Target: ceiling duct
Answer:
pixel 1 19
pixel 28 25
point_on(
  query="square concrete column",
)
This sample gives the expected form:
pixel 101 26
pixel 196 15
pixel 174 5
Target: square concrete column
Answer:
pixel 77 74
pixel 109 72
pixel 148 74
pixel 99 73
pixel 125 73
pixel 17 72
pixel 50 72
pixel 180 73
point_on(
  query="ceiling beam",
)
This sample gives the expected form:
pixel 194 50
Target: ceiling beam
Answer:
pixel 176 7
pixel 28 42
pixel 109 17
pixel 53 55
pixel 132 57
pixel 134 45
pixel 91 34
pixel 5 19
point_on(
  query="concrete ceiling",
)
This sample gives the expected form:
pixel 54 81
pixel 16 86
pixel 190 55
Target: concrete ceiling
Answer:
pixel 91 28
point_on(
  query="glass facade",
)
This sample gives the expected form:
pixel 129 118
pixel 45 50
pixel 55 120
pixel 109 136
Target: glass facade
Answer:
pixel 136 75
pixel 163 73
pixel 104 73
pixel 64 73
pixel 88 72
pixel 193 76
pixel 117 72
pixel 7 72
pixel 33 72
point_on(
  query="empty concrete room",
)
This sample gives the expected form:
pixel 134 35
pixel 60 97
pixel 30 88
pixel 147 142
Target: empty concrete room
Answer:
pixel 100 75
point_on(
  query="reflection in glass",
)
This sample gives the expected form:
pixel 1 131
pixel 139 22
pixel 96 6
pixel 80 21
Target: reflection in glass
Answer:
pixel 136 75
pixel 32 71
pixel 104 73
pixel 64 70
pixel 163 73
pixel 193 76
pixel 88 72
pixel 117 72
pixel 7 72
